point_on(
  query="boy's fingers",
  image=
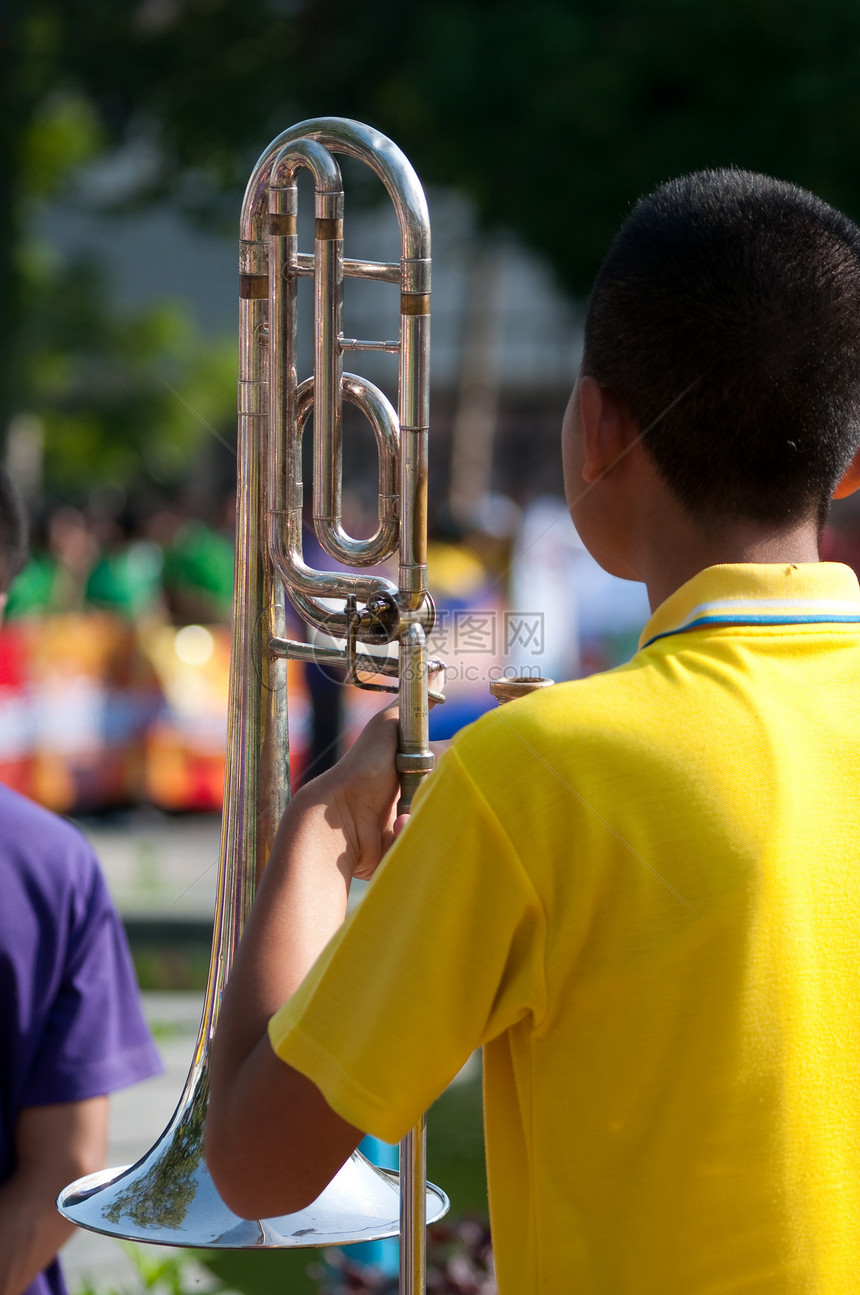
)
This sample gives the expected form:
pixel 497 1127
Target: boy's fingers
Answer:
pixel 436 682
pixel 399 823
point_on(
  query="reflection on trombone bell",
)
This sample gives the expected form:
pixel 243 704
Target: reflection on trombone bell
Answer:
pixel 168 1197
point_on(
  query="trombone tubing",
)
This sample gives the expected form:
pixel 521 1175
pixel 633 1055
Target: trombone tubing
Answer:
pixel 267 316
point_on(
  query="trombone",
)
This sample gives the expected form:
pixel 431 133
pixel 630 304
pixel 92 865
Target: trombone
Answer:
pixel 167 1197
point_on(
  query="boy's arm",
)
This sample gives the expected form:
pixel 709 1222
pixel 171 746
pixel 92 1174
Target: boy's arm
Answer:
pixel 53 1146
pixel 272 1141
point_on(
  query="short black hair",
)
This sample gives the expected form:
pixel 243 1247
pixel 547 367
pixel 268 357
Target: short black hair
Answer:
pixel 726 316
pixel 13 532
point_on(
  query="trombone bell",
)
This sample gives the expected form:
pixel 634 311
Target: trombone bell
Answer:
pixel 168 1198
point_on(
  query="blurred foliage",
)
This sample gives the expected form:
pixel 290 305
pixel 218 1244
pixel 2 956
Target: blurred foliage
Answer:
pixel 552 118
pixel 156 1271
pixel 556 117
pixel 176 967
pixel 63 133
pixel 122 396
pixel 117 397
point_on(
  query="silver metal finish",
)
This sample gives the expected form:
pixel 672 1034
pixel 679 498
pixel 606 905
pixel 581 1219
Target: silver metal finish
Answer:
pixel 168 1196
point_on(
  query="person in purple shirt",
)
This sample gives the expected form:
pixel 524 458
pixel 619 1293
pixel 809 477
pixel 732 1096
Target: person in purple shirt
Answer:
pixel 71 1028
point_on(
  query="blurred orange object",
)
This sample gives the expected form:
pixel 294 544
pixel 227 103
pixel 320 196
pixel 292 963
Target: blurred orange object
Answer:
pixel 76 697
pixel 96 712
pixel 185 748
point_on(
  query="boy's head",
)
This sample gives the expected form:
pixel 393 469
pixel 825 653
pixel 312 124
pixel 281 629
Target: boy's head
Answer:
pixel 726 318
pixel 13 535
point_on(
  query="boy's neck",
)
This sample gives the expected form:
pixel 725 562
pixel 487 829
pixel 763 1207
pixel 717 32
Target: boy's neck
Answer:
pixel 680 551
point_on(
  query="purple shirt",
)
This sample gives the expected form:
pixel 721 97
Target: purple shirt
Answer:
pixel 70 1020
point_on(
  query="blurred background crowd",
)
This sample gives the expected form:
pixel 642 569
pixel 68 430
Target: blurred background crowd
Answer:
pixel 127 133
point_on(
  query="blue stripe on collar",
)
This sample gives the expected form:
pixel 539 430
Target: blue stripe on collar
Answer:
pixel 749 617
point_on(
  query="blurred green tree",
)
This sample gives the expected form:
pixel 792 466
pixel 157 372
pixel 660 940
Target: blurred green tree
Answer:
pixel 117 396
pixel 551 117
pixel 99 393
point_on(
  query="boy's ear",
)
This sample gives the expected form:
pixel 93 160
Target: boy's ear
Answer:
pixel 604 423
pixel 850 479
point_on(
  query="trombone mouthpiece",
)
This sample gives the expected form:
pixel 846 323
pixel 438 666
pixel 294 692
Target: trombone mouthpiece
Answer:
pixel 510 689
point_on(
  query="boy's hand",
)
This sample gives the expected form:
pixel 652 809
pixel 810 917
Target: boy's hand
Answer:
pixel 362 790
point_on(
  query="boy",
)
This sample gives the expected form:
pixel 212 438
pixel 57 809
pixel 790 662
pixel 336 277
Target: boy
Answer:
pixel 635 890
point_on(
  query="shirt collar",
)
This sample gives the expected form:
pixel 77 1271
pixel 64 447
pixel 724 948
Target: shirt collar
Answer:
pixel 759 594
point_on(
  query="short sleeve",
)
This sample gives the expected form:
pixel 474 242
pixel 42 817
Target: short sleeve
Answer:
pixel 92 1036
pixel 445 951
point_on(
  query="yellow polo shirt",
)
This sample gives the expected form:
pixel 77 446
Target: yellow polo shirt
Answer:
pixel 639 892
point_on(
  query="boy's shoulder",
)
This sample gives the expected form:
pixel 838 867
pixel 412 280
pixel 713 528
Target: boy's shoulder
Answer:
pixel 719 646
pixel 577 711
pixel 42 853
pixel 35 825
